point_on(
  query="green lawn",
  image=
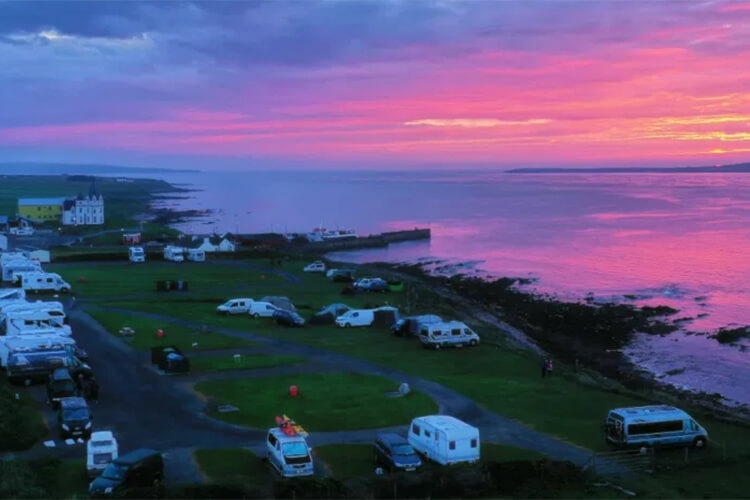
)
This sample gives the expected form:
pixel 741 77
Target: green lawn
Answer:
pixel 232 466
pixel 21 421
pixel 221 363
pixel 326 401
pixel 183 337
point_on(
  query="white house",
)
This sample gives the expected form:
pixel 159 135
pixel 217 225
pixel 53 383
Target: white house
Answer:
pixel 84 210
pixel 211 244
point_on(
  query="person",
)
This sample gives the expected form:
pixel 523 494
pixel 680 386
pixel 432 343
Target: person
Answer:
pixel 72 302
pixel 549 367
pixel 93 388
pixel 544 367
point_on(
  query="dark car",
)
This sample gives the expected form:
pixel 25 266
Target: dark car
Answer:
pixel 341 275
pixel 74 418
pixel 394 453
pixel 287 318
pixel 378 285
pixel 60 385
pixel 136 474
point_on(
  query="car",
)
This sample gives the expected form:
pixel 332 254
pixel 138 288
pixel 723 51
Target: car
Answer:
pixel 394 453
pixel 74 418
pixel 234 306
pixel 60 385
pixel 260 309
pixel 340 275
pixel 136 474
pixel 288 318
pixel 372 284
pixel 316 267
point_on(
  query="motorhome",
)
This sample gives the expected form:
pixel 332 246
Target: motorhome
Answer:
pixel 447 334
pixel 136 254
pixel 356 317
pixel 196 255
pixel 235 306
pixel 54 308
pixel 288 455
pixel 33 322
pixel 655 425
pixel 39 281
pixel 101 450
pixel 174 254
pixel 444 439
pixel 10 345
pixel 12 295
pixel 14 267
pixel 261 309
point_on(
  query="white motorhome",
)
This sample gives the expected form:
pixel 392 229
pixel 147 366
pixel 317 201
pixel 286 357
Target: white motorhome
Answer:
pixel 9 256
pixel 235 306
pixel 11 295
pixel 444 439
pixel 174 254
pixel 260 309
pixel 55 309
pixel 101 450
pixel 40 281
pixel 356 317
pixel 288 455
pixel 136 254
pixel 10 345
pixel 447 334
pixel 14 267
pixel 196 255
pixel 17 323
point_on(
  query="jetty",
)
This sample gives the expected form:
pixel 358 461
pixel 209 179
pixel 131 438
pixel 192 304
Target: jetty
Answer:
pixel 362 242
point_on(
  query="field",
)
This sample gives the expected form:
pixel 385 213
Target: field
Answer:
pixel 233 465
pixel 21 421
pixel 244 362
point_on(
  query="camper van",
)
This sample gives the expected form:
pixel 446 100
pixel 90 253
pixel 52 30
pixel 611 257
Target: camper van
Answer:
pixel 288 455
pixel 235 306
pixel 23 344
pixel 174 254
pixel 447 334
pixel 316 267
pixel 356 317
pixel 261 309
pixel 14 267
pixel 656 425
pixel 101 450
pixel 54 308
pixel 444 439
pixel 40 281
pixel 33 322
pixel 196 255
pixel 136 254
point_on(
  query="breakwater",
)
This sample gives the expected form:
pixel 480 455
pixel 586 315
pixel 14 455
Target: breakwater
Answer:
pixel 372 241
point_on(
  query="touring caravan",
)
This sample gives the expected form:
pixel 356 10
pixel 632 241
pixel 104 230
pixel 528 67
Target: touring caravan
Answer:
pixel 196 255
pixel 655 425
pixel 444 439
pixel 447 334
pixel 356 317
pixel 174 254
pixel 39 281
pixel 14 267
pixel 136 254
pixel 101 450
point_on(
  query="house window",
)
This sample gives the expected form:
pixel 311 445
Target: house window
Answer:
pixel 452 445
pixel 473 443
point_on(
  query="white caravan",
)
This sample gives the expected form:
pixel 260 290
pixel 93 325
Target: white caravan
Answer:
pixel 316 267
pixel 40 281
pixel 174 254
pixel 447 334
pixel 18 323
pixel 32 343
pixel 136 254
pixel 259 309
pixel 101 450
pixel 288 455
pixel 14 267
pixel 444 439
pixel 196 255
pixel 356 317
pixel 235 306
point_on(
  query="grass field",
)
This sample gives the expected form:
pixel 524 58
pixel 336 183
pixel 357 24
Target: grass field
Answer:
pixel 326 401
pixel 21 421
pixel 232 466
pixel 246 361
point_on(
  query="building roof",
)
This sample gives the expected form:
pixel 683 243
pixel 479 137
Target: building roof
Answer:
pixel 40 201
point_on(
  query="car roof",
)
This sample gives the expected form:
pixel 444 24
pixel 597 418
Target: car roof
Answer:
pixel 74 402
pixel 136 456
pixel 102 436
pixel 651 412
pixel 283 437
pixel 391 439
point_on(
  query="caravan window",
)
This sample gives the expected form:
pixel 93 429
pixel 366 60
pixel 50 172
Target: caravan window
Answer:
pixel 456 332
pixel 655 427
pixel 452 445
pixel 415 429
pixel 473 443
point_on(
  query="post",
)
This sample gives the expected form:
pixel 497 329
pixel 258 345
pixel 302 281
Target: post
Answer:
pixel 723 451
pixel 687 456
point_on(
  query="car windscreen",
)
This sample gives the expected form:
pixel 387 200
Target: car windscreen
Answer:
pixel 102 458
pixel 295 449
pixel 403 449
pixel 115 471
pixel 76 414
pixel 102 444
pixel 64 386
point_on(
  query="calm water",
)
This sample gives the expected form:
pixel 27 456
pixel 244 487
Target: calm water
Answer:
pixel 681 240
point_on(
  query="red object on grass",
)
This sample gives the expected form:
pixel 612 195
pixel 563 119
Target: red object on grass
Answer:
pixel 83 279
pixel 293 391
pixel 263 277
pixel 160 333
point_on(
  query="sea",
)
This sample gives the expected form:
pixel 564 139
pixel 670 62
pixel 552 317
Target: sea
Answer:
pixel 681 240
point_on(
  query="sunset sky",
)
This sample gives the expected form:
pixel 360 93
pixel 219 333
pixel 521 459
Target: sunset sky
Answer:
pixel 381 84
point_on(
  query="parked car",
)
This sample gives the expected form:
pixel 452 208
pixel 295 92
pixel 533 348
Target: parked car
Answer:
pixel 136 474
pixel 447 334
pixel 288 455
pixel 394 453
pixel 260 309
pixel 235 306
pixel 60 385
pixel 316 267
pixel 74 418
pixel 288 318
pixel 340 275
pixel 101 450
pixel 655 425
pixel 356 317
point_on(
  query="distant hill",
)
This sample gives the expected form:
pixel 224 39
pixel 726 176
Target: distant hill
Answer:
pixel 77 168
pixel 737 168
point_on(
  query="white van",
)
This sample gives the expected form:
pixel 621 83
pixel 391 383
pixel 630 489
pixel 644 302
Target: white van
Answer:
pixel 54 309
pixel 136 254
pixel 41 281
pixel 447 334
pixel 356 317
pixel 196 255
pixel 235 306
pixel 260 309
pixel 101 450
pixel 316 267
pixel 174 254
pixel 444 439
pixel 288 455
pixel 14 267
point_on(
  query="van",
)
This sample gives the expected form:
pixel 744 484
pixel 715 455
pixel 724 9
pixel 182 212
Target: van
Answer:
pixel 137 474
pixel 39 281
pixel 235 306
pixel 33 322
pixel 447 334
pixel 101 450
pixel 74 418
pixel 655 425
pixel 260 309
pixel 288 455
pixel 174 254
pixel 196 255
pixel 59 386
pixel 136 254
pixel 356 317
pixel 444 439
pixel 316 267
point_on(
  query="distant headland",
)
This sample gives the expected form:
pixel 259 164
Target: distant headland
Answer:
pixel 735 168
pixel 79 168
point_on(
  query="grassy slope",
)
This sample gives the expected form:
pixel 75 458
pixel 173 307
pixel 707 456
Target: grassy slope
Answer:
pixel 326 402
pixel 215 363
pixel 21 423
pixel 232 466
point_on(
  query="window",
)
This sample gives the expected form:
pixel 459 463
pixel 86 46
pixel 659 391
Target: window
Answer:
pixel 655 427
pixel 355 315
pixel 456 332
pixel 415 429
pixel 473 443
pixel 427 434
pixel 272 439
pixel 437 333
pixel 452 445
pixel 693 425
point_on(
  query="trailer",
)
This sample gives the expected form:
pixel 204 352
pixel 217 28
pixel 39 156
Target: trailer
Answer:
pixel 444 439
pixel 136 254
pixel 196 255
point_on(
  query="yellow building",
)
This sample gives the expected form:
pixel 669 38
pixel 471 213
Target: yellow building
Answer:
pixel 43 209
